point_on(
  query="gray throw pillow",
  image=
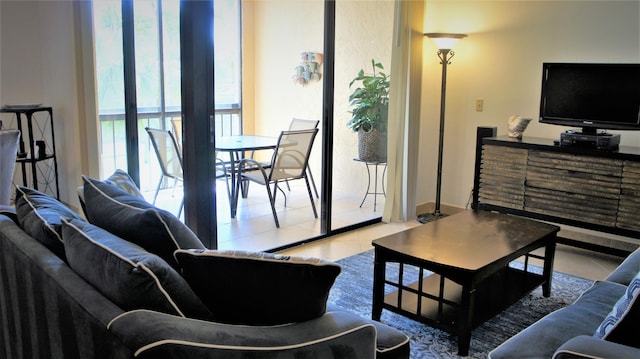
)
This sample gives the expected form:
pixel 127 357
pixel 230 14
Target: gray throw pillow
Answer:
pixel 132 218
pixel 39 215
pixel 128 275
pixel 256 288
pixel 120 179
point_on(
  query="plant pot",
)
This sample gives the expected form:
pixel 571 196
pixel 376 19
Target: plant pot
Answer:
pixel 372 145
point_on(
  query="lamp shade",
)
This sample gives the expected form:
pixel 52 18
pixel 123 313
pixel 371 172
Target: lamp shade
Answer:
pixel 445 41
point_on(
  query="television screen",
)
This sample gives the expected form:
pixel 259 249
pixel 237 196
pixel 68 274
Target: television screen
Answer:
pixel 591 96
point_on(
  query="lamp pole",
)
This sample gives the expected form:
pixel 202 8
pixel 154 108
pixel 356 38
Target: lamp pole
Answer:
pixel 445 56
pixel 445 44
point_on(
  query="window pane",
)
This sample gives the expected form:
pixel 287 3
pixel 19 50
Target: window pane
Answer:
pixel 227 52
pixel 110 82
pixel 147 55
pixel 171 52
pixel 109 62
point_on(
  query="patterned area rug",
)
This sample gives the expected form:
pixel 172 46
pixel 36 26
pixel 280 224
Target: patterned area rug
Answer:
pixel 353 289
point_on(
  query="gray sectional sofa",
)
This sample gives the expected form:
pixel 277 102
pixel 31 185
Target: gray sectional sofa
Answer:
pixel 602 323
pixel 83 292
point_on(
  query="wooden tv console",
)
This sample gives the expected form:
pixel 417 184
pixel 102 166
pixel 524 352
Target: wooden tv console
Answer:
pixel 577 186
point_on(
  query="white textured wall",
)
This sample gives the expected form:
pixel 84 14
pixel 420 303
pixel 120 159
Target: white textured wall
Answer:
pixel 282 29
pixel 38 66
pixel 501 62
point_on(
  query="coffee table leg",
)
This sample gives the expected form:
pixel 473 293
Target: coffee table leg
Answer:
pixel 547 274
pixel 466 317
pixel 378 285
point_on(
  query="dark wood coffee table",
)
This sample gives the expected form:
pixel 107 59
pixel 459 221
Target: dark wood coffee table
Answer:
pixel 461 269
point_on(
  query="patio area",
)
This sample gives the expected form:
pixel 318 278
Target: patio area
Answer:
pixel 254 229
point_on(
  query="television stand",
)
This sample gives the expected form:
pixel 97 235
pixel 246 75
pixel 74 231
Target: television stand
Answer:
pixel 601 141
pixel 577 186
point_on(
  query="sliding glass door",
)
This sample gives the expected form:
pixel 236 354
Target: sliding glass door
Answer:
pixel 153 83
pixel 363 35
pixel 272 62
pixel 155 47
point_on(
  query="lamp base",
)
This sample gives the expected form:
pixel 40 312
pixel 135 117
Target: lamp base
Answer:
pixel 430 217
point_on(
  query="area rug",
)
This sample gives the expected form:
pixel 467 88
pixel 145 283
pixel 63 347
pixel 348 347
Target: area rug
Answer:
pixel 353 290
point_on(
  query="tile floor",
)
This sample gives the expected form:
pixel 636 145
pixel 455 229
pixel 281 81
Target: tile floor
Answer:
pixel 254 229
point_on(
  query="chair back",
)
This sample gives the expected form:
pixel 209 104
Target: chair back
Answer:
pixel 291 155
pixel 167 151
pixel 8 153
pixel 176 127
pixel 298 124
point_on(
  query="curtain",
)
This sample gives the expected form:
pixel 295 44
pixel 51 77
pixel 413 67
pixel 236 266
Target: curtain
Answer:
pixel 404 111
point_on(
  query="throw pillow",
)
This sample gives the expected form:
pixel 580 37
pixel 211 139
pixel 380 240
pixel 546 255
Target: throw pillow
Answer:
pixel 258 288
pixel 128 275
pixel 39 216
pixel 623 322
pixel 134 219
pixel 120 179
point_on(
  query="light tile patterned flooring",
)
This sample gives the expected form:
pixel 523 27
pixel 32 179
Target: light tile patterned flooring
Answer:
pixel 254 229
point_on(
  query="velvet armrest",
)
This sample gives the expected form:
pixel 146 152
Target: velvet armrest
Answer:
pixel 585 346
pixel 157 335
pixel 627 270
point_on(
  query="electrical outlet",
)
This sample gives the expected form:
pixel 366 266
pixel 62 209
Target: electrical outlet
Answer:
pixel 479 105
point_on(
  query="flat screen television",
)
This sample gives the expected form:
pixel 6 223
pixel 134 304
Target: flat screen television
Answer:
pixel 591 97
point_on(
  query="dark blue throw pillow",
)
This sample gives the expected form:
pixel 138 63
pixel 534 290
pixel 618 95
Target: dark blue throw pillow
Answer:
pixel 135 220
pixel 128 275
pixel 39 215
pixel 257 288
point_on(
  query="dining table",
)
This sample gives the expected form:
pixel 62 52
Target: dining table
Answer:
pixel 238 147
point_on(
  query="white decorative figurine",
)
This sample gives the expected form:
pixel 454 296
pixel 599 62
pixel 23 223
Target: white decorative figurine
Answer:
pixel 517 125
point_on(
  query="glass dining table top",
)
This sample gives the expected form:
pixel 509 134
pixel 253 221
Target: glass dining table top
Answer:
pixel 245 142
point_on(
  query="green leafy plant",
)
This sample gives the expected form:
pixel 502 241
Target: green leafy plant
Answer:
pixel 370 100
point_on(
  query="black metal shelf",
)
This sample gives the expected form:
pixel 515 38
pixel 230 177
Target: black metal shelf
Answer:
pixel 40 172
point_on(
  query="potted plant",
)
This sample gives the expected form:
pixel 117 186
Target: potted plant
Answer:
pixel 370 104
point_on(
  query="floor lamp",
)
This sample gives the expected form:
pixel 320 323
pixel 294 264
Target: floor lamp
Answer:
pixel 445 43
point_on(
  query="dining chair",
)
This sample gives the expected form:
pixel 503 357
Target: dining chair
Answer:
pixel 289 162
pixel 169 155
pixel 297 124
pixel 176 127
pixel 169 158
pixel 8 153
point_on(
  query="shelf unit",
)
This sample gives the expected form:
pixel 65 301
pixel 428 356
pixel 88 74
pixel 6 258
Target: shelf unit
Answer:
pixel 35 123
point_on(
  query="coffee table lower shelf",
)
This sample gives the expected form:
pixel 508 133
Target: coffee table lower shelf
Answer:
pixel 441 298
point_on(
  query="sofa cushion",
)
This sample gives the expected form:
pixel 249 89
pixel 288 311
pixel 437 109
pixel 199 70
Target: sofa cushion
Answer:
pixel 9 212
pixel 40 216
pixel 128 275
pixel 134 219
pixel 623 322
pixel 258 288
